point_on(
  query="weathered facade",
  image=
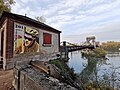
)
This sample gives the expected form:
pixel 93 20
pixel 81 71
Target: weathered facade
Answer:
pixel 20 34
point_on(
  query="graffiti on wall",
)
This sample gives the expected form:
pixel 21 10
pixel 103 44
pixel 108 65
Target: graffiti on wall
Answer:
pixel 26 39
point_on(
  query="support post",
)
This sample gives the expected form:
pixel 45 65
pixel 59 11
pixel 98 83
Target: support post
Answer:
pixel 64 52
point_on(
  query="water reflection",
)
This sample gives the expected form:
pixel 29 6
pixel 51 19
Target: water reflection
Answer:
pixel 91 69
pixel 113 54
pixel 100 70
pixel 76 61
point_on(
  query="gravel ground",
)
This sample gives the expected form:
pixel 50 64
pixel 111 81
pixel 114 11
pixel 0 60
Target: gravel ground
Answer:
pixel 6 78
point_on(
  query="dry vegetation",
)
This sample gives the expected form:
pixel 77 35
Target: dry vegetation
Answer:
pixel 111 46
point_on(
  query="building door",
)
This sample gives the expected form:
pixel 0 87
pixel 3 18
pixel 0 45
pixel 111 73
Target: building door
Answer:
pixel 2 44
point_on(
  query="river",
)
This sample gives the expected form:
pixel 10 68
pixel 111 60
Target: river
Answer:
pixel 109 67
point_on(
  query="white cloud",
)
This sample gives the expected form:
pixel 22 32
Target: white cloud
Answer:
pixel 72 3
pixel 102 33
pixel 65 11
pixel 73 17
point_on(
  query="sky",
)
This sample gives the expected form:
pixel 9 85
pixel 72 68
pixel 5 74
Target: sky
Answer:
pixel 77 19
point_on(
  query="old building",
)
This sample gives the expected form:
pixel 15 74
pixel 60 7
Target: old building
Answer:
pixel 21 34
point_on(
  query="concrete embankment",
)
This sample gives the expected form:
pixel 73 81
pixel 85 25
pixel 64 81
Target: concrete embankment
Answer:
pixel 29 77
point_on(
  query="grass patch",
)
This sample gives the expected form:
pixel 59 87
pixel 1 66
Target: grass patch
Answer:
pixel 59 64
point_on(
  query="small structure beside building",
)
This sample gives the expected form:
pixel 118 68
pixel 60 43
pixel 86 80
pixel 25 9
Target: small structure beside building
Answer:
pixel 20 34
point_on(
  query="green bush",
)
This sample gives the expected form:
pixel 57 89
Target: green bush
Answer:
pixel 100 52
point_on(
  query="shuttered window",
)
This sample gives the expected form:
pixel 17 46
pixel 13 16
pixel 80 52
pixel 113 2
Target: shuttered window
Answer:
pixel 47 39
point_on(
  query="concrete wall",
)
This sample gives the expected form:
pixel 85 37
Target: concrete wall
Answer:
pixel 27 77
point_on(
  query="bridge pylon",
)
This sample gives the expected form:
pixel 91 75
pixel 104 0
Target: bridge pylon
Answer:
pixel 64 52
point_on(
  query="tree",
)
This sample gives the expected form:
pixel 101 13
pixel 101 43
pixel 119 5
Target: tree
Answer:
pixel 111 46
pixel 40 19
pixel 5 5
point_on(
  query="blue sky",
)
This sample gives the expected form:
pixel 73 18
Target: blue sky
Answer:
pixel 77 19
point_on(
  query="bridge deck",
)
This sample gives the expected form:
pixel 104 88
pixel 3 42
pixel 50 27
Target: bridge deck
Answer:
pixel 74 48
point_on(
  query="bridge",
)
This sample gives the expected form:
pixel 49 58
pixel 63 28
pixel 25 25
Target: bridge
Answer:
pixel 67 47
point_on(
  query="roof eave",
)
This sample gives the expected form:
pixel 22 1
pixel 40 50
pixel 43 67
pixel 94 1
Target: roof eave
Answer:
pixel 14 16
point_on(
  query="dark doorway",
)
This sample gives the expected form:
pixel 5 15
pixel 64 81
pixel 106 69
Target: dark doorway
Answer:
pixel 2 44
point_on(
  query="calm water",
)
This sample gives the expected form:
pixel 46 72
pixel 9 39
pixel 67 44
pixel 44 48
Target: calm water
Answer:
pixel 103 66
pixel 87 68
pixel 77 62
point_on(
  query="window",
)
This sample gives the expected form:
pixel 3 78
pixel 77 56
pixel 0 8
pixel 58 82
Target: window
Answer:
pixel 47 39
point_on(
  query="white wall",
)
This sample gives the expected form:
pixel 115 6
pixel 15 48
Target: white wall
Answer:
pixel 54 46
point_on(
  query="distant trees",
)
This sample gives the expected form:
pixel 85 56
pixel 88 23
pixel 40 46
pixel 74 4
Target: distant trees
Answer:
pixel 111 46
pixel 5 5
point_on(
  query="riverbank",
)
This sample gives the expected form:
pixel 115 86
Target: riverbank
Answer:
pixel 97 53
pixel 61 76
pixel 67 74
pixel 50 75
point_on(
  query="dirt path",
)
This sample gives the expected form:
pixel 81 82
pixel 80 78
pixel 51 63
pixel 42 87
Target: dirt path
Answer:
pixel 6 78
